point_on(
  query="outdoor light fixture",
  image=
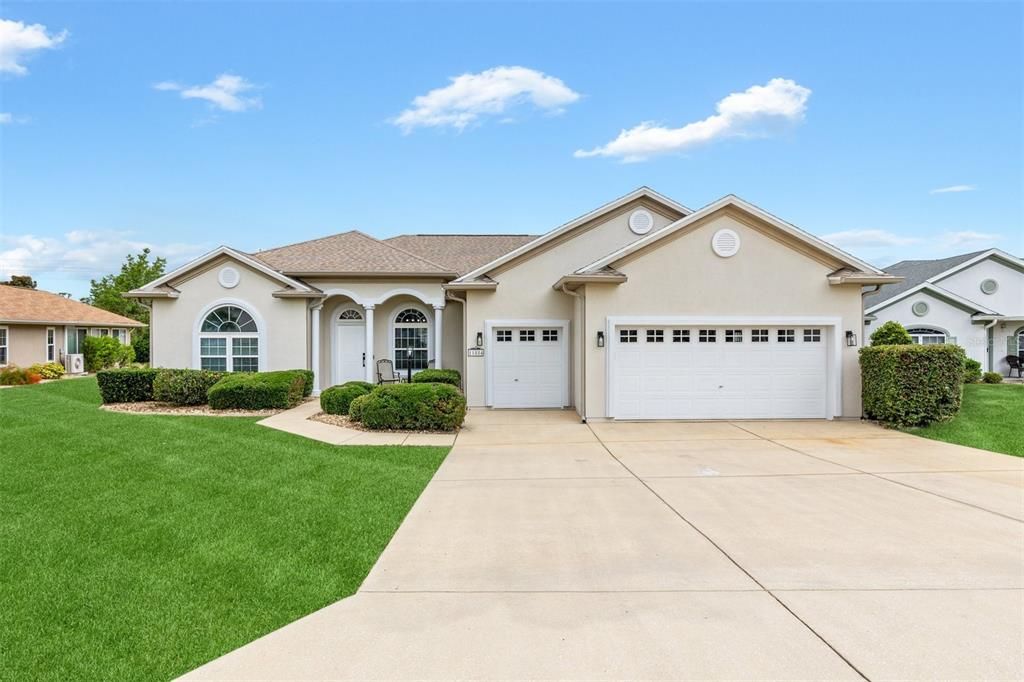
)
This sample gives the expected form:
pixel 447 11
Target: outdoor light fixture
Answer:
pixel 851 339
pixel 479 339
pixel 600 339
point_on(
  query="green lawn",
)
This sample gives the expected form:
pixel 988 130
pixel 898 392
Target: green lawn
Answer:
pixel 139 547
pixel 991 418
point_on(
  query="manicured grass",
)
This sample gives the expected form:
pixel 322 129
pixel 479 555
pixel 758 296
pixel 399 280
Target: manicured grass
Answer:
pixel 991 418
pixel 139 547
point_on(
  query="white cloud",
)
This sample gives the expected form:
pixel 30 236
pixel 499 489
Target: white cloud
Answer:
pixel 969 239
pixel 225 92
pixel 740 114
pixel 868 239
pixel 473 96
pixel 19 40
pixel 953 188
pixel 81 254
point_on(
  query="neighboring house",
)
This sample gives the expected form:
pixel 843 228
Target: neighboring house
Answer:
pixel 975 300
pixel 37 326
pixel 640 309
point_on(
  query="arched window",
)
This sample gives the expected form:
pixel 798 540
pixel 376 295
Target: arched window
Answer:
pixel 1019 338
pixel 926 335
pixel 229 341
pixel 350 315
pixel 411 340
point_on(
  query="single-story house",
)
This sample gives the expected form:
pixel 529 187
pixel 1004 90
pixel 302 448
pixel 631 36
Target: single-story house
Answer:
pixel 639 309
pixel 38 326
pixel 975 300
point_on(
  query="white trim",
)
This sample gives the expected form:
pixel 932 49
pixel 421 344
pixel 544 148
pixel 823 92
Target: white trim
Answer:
pixel 405 291
pixel 314 342
pixel 438 335
pixel 397 308
pixel 835 337
pixel 262 332
pixel 489 325
pixel 998 253
pixel 337 323
pixel 6 345
pixel 338 291
pixel 222 251
pixel 732 200
pixel 933 290
pixel 47 344
pixel 640 192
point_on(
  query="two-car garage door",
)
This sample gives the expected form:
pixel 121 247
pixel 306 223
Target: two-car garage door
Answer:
pixel 715 372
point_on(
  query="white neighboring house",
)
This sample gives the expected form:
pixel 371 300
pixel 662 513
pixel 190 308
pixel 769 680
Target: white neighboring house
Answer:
pixel 975 300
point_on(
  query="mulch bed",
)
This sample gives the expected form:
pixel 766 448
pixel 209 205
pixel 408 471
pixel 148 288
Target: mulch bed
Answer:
pixel 345 422
pixel 152 407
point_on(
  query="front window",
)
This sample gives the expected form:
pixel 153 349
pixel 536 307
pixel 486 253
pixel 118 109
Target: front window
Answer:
pixel 229 341
pixel 411 340
pixel 926 336
pixel 80 335
pixel 3 346
pixel 120 334
pixel 51 344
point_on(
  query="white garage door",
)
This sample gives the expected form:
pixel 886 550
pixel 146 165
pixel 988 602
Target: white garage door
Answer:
pixel 719 372
pixel 529 367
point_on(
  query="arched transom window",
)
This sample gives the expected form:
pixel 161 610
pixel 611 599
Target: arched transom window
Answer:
pixel 229 341
pixel 926 335
pixel 412 340
pixel 1020 341
pixel 350 315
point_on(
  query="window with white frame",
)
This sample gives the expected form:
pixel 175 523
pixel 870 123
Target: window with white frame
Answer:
pixel 926 336
pixel 680 336
pixel 549 335
pixel 759 335
pixel 411 339
pixel 103 332
pixel 812 336
pixel 229 341
pixel 707 336
pixel 786 336
pixel 1020 341
pixel 51 344
pixel 655 336
pixel 504 335
pixel 120 334
pixel 627 336
pixel 3 346
pixel 734 336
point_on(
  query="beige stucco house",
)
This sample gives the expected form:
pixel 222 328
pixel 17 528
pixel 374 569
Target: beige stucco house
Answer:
pixel 639 309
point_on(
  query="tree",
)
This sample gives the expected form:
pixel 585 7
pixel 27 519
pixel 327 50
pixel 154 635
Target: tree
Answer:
pixel 108 294
pixel 23 281
pixel 891 333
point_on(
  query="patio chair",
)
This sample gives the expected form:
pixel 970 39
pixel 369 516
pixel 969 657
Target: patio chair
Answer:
pixel 1015 364
pixel 386 373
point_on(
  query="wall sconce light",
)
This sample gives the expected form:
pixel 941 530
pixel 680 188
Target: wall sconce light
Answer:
pixel 851 339
pixel 479 339
pixel 600 339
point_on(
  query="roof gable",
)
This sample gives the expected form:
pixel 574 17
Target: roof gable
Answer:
pixel 933 290
pixel 18 304
pixel 350 252
pixel 160 287
pixel 918 272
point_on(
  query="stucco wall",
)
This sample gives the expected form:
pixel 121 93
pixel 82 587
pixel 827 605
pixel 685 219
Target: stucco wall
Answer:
pixel 26 343
pixel 684 277
pixel 1009 297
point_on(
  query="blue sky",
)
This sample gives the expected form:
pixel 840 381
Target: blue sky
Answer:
pixel 116 132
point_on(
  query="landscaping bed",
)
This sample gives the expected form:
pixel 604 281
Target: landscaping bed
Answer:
pixel 344 421
pixel 155 407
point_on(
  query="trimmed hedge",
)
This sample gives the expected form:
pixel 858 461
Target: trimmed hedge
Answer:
pixel 972 371
pixel 992 378
pixel 438 376
pixel 413 407
pixel 258 390
pixel 184 386
pixel 336 399
pixel 128 385
pixel 307 376
pixel 912 385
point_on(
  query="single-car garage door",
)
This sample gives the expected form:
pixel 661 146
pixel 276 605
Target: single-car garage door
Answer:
pixel 707 372
pixel 528 367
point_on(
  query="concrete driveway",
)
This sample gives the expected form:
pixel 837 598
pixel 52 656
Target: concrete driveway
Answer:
pixel 546 548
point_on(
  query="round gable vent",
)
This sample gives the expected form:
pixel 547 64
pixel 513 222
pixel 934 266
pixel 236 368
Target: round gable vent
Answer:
pixel 920 308
pixel 228 277
pixel 640 222
pixel 989 286
pixel 725 243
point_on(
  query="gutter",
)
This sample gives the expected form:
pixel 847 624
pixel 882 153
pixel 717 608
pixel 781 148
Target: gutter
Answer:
pixel 564 288
pixel 449 296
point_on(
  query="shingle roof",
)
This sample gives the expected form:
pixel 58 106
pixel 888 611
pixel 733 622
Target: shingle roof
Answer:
pixel 460 252
pixel 348 252
pixel 18 304
pixel 914 273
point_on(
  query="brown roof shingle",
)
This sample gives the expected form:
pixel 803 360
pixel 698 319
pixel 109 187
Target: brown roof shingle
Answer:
pixel 348 252
pixel 461 252
pixel 18 304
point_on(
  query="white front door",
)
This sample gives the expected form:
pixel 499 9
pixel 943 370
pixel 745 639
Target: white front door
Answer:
pixel 529 366
pixel 350 353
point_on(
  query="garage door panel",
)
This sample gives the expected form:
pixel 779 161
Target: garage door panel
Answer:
pixel 528 371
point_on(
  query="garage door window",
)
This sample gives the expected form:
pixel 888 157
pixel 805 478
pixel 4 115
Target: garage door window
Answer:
pixel 812 336
pixel 759 335
pixel 707 336
pixel 627 336
pixel 680 336
pixel 734 336
pixel 549 335
pixel 655 336
pixel 504 336
pixel 526 335
pixel 787 336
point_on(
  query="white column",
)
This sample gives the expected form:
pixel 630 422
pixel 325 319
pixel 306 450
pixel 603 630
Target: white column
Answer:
pixel 371 366
pixel 438 334
pixel 315 329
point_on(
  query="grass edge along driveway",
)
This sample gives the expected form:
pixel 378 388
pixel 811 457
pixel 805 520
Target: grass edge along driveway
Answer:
pixel 139 547
pixel 991 418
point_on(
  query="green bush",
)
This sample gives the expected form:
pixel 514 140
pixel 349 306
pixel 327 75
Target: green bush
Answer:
pixel 140 343
pixel 992 378
pixel 307 377
pixel 438 376
pixel 972 371
pixel 415 407
pixel 127 385
pixel 258 390
pixel 102 352
pixel 891 333
pixel 184 386
pixel 912 385
pixel 48 370
pixel 336 399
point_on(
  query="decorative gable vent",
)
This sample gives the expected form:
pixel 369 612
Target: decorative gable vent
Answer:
pixel 920 308
pixel 640 222
pixel 989 286
pixel 228 277
pixel 725 243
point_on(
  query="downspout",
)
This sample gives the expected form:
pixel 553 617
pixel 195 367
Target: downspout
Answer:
pixel 449 296
pixel 583 349
pixel 990 342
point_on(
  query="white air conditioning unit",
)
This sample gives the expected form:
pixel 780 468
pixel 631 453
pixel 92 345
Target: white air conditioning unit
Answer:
pixel 74 363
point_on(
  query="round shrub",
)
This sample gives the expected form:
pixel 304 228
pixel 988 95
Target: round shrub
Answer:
pixel 891 333
pixel 336 399
pixel 184 386
pixel 410 407
pixel 972 371
pixel 438 376
pixel 912 385
pixel 258 390
pixel 128 385
pixel 992 378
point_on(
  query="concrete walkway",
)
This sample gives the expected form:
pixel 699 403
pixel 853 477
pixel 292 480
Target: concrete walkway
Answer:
pixel 297 421
pixel 546 548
